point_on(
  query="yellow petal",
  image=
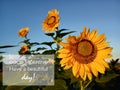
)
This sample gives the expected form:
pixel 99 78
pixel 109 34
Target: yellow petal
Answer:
pixel 64 44
pixel 75 68
pixel 88 33
pixel 61 55
pixel 105 53
pixel 89 76
pixel 82 71
pixel 102 45
pixel 65 60
pixel 88 72
pixel 63 50
pixel 68 66
pixel 85 30
pixel 99 67
pixel 99 39
pixel 86 68
pixel 84 77
pixel 102 62
pixel 71 39
pixel 93 34
pixel 93 69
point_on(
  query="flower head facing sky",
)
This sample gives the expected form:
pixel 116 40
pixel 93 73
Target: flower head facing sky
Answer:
pixel 23 32
pixel 52 21
pixel 85 54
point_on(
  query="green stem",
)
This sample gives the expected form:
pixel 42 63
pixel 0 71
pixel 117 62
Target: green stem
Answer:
pixel 58 47
pixel 81 85
pixel 88 84
pixel 26 37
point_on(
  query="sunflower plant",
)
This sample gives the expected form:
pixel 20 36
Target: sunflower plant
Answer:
pixel 80 61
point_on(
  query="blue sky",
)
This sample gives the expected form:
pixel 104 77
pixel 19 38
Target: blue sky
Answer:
pixel 103 15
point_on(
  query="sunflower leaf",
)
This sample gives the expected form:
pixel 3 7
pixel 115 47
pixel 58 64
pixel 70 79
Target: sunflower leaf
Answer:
pixel 49 52
pixel 34 43
pixel 59 31
pixel 7 46
pixel 49 34
pixel 64 34
pixel 114 62
pixel 106 78
pixel 1 52
pixel 40 48
pixel 48 43
pixel 1 57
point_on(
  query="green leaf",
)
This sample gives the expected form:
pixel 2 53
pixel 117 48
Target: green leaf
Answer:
pixel 73 79
pixel 1 57
pixel 67 74
pixel 49 34
pixel 2 52
pixel 114 62
pixel 7 46
pixel 48 43
pixel 35 43
pixel 15 87
pixel 59 85
pixel 40 48
pixel 64 34
pixel 49 52
pixel 59 31
pixel 106 78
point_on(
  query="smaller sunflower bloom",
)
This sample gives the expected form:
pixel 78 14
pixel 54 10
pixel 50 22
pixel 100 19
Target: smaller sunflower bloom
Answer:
pixel 52 21
pixel 23 49
pixel 85 54
pixel 23 32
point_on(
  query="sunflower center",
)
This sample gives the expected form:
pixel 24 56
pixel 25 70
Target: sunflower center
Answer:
pixel 85 48
pixel 51 20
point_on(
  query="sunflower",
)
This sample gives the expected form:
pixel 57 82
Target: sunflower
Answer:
pixel 51 22
pixel 85 54
pixel 23 49
pixel 23 32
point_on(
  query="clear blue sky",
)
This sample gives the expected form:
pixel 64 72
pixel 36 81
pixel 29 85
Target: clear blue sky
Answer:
pixel 103 15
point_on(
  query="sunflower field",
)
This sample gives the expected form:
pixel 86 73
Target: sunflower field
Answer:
pixel 81 62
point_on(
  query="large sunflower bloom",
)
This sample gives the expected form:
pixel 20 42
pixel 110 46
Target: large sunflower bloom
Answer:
pixel 23 32
pixel 86 54
pixel 51 22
